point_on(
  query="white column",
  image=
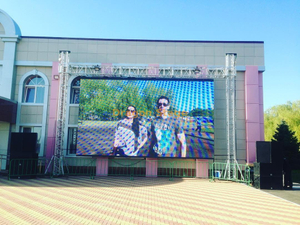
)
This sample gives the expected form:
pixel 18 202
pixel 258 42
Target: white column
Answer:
pixel 7 78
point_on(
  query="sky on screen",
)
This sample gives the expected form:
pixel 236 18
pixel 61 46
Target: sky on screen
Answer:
pixel 276 23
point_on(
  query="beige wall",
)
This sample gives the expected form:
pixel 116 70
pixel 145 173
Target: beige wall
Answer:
pixel 220 119
pixel 31 114
pixel 143 52
pixel 4 139
pixel 4 136
pixel 139 52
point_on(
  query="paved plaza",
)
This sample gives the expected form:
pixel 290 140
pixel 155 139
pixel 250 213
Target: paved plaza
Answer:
pixel 119 200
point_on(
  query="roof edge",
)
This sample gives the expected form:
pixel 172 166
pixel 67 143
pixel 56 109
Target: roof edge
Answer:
pixel 142 40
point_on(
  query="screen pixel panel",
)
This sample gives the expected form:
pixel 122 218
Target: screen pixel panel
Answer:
pixel 146 118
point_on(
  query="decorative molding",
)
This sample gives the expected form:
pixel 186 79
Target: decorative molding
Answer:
pixel 33 63
pixel 174 72
pixel 90 65
pixel 5 38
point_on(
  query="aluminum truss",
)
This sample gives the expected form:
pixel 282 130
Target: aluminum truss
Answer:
pixel 119 71
pixel 58 157
pixel 147 72
pixel 232 165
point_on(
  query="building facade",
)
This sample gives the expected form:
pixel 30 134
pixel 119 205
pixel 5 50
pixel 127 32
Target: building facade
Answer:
pixel 29 84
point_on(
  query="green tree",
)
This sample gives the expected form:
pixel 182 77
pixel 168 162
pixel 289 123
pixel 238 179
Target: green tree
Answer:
pixel 201 112
pixel 99 98
pixel 289 112
pixel 287 142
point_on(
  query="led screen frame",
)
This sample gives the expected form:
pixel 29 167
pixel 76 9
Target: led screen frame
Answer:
pixel 186 131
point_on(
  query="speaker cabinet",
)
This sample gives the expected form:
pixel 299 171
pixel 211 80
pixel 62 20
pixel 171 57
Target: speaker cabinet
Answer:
pixel 270 182
pixel 263 152
pixel 267 169
pixel 23 156
pixel 268 176
pixel 23 145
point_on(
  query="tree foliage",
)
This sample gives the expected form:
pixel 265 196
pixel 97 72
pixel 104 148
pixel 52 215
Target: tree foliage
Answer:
pixel 287 140
pixel 289 112
pixel 288 143
pixel 202 112
pixel 109 99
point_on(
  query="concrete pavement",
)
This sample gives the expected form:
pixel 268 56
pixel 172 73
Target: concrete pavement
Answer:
pixel 119 200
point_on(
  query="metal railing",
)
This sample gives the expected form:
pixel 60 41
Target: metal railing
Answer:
pixel 159 167
pixel 235 172
pixel 180 168
pixel 75 166
pixel 127 167
pixel 31 168
pixel 26 168
pixel 176 168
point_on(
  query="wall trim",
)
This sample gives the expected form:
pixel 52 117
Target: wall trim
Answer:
pixel 33 63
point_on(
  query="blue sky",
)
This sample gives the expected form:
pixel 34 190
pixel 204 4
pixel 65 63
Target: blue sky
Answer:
pixel 275 22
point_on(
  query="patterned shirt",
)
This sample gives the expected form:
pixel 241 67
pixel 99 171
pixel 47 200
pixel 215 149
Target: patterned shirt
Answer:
pixel 164 136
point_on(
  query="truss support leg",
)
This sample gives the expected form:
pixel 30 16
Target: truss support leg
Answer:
pixel 60 168
pixel 49 164
pixel 227 170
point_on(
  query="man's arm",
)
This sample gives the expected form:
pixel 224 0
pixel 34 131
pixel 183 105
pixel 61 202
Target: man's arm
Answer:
pixel 181 138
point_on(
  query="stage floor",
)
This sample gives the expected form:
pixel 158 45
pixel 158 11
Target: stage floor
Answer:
pixel 119 200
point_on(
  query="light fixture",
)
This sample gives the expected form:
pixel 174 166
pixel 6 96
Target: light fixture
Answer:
pixel 97 68
pixel 56 77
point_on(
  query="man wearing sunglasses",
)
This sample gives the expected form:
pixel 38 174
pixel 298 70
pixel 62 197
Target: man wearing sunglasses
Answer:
pixel 166 132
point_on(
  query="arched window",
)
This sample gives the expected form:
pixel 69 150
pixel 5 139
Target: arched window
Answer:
pixel 34 89
pixel 75 91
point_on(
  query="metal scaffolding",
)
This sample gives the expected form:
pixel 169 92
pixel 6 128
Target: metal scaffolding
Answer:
pixel 227 73
pixel 63 70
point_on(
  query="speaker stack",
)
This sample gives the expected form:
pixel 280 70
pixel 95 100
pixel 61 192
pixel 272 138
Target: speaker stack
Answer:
pixel 23 156
pixel 269 166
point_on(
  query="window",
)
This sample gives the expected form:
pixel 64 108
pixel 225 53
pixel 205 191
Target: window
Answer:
pixel 37 130
pixel 75 91
pixel 34 89
pixel 72 140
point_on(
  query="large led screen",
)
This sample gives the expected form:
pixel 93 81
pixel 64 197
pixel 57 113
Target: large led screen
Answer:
pixel 146 118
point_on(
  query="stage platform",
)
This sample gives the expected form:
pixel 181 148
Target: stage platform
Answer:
pixel 119 200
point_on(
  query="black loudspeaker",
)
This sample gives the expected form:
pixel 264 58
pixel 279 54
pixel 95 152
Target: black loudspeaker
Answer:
pixel 23 156
pixel 267 169
pixel 268 176
pixel 23 145
pixel 263 152
pixel 270 182
pixel 277 153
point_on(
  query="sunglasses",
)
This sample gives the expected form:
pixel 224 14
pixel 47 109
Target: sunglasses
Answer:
pixel 162 104
pixel 128 110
